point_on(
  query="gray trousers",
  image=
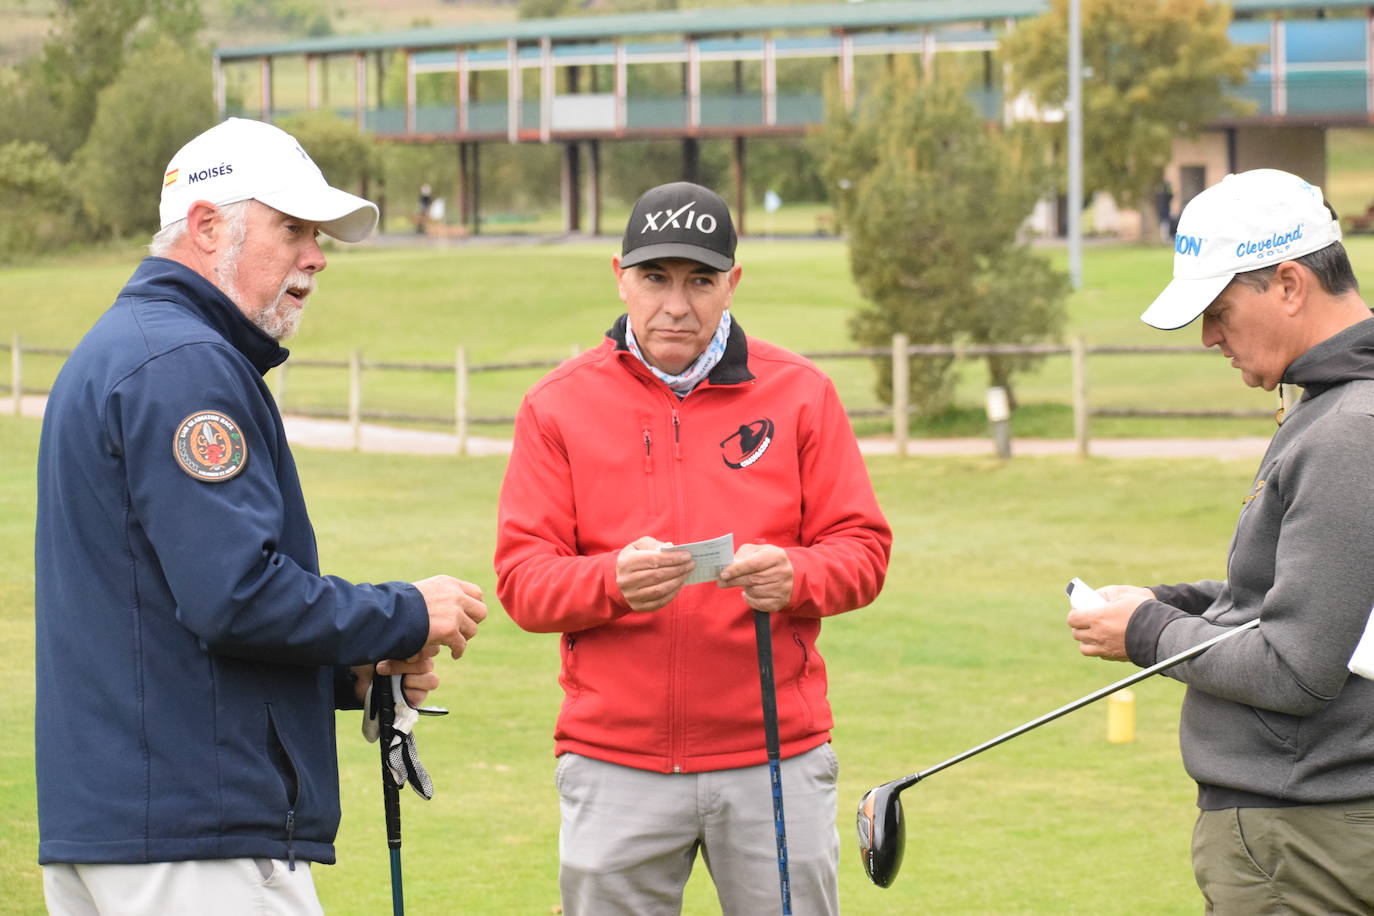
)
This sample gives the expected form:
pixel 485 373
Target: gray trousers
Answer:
pixel 629 837
pixel 1316 859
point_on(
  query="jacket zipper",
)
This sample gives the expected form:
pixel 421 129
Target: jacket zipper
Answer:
pixel 292 790
pixel 290 843
pixel 650 486
pixel 676 717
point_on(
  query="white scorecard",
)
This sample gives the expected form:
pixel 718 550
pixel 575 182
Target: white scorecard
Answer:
pixel 710 556
pixel 1082 596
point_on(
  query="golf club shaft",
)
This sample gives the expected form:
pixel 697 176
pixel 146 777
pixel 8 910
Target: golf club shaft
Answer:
pixel 398 902
pixel 763 636
pixel 384 701
pixel 1093 697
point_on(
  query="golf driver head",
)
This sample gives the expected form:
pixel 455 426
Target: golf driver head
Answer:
pixel 882 832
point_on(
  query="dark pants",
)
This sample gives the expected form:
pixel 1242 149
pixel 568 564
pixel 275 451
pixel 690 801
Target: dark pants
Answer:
pixel 1316 859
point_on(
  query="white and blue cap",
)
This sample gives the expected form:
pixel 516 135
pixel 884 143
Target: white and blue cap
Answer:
pixel 1247 221
pixel 242 159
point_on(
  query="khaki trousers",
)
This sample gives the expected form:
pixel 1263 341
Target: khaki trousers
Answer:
pixel 209 887
pixel 629 837
pixel 1316 859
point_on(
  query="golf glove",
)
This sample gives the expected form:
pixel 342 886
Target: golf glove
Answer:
pixel 402 759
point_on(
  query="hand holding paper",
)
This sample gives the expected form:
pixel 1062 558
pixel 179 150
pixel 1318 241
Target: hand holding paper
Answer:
pixel 764 572
pixel 710 556
pixel 1082 596
pixel 1099 625
pixel 650 573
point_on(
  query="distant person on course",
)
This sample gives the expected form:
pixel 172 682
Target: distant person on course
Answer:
pixel 679 428
pixel 190 653
pixel 1275 730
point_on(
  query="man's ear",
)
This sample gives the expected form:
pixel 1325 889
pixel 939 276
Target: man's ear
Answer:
pixel 732 283
pixel 203 227
pixel 1292 283
pixel 619 277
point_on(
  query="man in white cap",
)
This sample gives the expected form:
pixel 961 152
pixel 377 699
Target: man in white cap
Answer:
pixel 190 655
pixel 1274 729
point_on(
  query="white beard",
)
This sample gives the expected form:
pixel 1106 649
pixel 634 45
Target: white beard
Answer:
pixel 278 319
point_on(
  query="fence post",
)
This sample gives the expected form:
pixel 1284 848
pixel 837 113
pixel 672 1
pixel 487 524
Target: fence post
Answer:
pixel 460 398
pixel 280 388
pixel 1080 394
pixel 355 398
pixel 998 407
pixel 901 382
pixel 17 377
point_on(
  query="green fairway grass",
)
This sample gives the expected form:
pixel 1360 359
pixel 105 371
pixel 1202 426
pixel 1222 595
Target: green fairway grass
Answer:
pixel 967 641
pixel 541 300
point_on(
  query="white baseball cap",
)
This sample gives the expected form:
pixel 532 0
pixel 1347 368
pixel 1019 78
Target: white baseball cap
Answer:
pixel 1247 221
pixel 241 159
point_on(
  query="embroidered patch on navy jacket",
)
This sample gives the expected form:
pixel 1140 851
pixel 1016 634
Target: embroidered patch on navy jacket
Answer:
pixel 209 446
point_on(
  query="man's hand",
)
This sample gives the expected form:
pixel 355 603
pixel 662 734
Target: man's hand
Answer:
pixel 1113 592
pixel 648 577
pixel 455 609
pixel 418 675
pixel 1101 631
pixel 764 571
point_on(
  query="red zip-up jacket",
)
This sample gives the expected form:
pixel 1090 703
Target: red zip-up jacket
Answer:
pixel 604 454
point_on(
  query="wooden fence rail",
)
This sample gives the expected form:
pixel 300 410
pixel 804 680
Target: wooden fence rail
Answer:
pixel 900 353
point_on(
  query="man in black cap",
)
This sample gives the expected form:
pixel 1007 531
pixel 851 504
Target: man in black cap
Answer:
pixel 680 429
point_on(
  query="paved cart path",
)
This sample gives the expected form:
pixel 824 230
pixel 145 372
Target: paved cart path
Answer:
pixel 306 432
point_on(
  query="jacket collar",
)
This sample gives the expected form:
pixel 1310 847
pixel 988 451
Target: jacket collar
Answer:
pixel 166 279
pixel 733 367
pixel 1342 357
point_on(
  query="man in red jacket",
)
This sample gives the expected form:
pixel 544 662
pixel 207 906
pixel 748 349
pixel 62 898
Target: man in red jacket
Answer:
pixel 677 429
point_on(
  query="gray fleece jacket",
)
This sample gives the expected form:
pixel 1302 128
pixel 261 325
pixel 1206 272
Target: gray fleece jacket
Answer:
pixel 1272 716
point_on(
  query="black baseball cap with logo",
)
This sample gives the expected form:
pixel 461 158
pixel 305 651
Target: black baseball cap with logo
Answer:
pixel 680 220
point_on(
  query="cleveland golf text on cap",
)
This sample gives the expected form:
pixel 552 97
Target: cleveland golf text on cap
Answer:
pixel 1247 221
pixel 242 159
pixel 680 220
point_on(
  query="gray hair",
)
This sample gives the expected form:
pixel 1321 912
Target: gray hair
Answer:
pixel 235 217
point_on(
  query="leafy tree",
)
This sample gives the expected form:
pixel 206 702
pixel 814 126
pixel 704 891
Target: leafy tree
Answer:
pixel 296 17
pixel 545 9
pixel 161 98
pixel 53 100
pixel 553 9
pixel 933 200
pixel 36 198
pixel 347 157
pixel 1152 72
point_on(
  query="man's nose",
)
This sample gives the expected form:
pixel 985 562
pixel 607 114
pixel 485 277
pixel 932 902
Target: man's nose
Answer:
pixel 675 303
pixel 312 258
pixel 1210 335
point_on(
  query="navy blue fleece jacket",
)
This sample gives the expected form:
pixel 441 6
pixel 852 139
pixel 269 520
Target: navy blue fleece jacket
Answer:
pixel 189 653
